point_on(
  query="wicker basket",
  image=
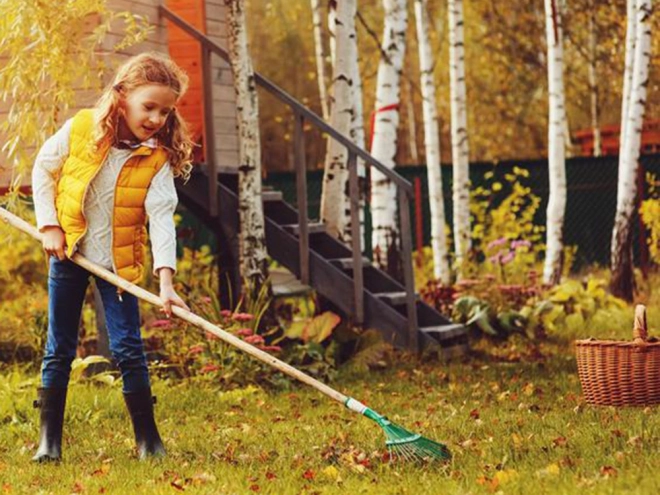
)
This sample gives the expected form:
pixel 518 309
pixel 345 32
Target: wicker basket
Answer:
pixel 620 373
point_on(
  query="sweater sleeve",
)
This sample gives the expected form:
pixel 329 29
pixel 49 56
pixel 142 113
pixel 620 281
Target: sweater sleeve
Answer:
pixel 160 205
pixel 47 165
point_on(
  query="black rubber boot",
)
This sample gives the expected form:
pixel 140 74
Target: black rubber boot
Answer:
pixel 141 408
pixel 51 401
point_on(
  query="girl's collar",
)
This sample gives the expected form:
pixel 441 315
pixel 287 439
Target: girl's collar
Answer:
pixel 126 144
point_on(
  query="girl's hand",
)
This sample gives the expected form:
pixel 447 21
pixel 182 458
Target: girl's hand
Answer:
pixel 54 242
pixel 170 298
pixel 168 295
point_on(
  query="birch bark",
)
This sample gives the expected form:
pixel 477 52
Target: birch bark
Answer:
pixel 460 150
pixel 252 237
pixel 386 122
pixel 556 146
pixel 622 282
pixel 432 144
pixel 333 199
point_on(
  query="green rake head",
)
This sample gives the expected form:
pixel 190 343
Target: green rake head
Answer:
pixel 401 443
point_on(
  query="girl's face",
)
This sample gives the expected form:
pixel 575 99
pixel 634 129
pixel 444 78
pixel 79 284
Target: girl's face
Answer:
pixel 144 111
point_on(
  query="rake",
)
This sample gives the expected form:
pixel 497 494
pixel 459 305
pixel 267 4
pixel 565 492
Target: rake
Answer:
pixel 401 443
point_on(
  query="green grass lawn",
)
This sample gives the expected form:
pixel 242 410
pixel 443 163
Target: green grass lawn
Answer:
pixel 515 424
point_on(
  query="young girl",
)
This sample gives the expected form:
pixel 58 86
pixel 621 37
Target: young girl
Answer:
pixel 96 182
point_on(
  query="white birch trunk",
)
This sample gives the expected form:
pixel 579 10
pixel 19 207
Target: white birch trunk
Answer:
pixel 622 283
pixel 460 150
pixel 432 145
pixel 252 237
pixel 593 82
pixel 631 25
pixel 333 198
pixel 556 146
pixel 357 125
pixel 386 122
pixel 320 56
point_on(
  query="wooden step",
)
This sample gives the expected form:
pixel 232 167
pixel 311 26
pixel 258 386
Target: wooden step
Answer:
pixel 312 228
pixel 347 263
pixel 271 196
pixel 443 332
pixel 394 298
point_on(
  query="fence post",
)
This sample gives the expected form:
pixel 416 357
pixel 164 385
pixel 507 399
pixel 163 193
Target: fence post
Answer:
pixel 356 241
pixel 301 192
pixel 209 134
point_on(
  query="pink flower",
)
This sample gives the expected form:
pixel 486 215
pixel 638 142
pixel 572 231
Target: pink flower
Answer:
pixel 244 332
pixel 205 299
pixel 161 324
pixel 520 243
pixel 209 368
pixel 242 317
pixel 272 348
pixel 508 257
pixel 225 313
pixel 497 242
pixel 254 339
pixel 196 349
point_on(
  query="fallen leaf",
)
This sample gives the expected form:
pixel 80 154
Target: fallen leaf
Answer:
pixel 309 474
pixel 608 471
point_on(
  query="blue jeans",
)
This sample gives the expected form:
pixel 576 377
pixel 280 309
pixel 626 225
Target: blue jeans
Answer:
pixel 67 284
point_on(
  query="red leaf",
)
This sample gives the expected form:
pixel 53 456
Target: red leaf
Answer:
pixel 309 474
pixel 255 488
pixel 270 476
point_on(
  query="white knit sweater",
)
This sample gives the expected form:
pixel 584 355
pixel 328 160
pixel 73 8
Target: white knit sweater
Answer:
pixel 96 244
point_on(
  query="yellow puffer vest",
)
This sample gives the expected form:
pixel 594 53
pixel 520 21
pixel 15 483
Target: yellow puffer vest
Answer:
pixel 129 216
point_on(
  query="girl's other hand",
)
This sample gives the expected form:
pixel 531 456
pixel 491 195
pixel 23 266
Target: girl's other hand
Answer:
pixel 170 298
pixel 54 242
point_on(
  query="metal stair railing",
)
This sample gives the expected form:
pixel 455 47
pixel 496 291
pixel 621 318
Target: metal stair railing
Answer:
pixel 302 114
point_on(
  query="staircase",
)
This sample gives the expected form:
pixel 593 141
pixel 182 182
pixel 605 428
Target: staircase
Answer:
pixel 330 266
pixel 360 291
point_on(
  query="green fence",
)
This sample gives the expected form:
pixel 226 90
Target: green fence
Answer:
pixel 590 208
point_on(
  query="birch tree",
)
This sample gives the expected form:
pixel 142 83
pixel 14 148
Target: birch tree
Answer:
pixel 631 27
pixel 333 198
pixel 386 122
pixel 460 150
pixel 622 282
pixel 432 144
pixel 357 120
pixel 317 21
pixel 252 235
pixel 556 145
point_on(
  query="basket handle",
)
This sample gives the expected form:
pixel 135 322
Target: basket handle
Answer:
pixel 640 332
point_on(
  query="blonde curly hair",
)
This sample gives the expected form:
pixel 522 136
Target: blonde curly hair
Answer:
pixel 148 68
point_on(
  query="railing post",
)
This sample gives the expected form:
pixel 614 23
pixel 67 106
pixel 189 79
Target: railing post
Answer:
pixel 301 192
pixel 209 134
pixel 408 274
pixel 356 243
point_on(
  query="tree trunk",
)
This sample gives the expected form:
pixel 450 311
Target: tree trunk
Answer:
pixel 432 145
pixel 320 57
pixel 460 150
pixel 622 283
pixel 412 124
pixel 593 81
pixel 631 25
pixel 357 125
pixel 335 178
pixel 385 231
pixel 332 35
pixel 252 238
pixel 556 146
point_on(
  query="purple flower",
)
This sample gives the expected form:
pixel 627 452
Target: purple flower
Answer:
pixel 508 257
pixel 520 243
pixel 497 242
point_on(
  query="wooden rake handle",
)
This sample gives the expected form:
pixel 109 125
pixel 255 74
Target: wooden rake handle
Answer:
pixel 184 314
